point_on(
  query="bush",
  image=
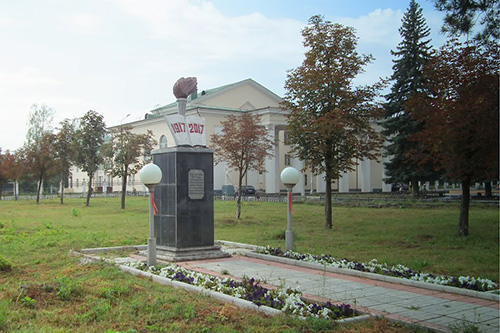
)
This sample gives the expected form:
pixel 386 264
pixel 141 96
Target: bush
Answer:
pixel 5 265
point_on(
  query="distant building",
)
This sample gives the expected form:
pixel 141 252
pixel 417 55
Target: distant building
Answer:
pixel 214 105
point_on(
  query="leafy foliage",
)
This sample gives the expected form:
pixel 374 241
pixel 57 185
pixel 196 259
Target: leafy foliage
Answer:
pixel 39 160
pixel 12 167
pixel 38 148
pixel 123 152
pixel 460 118
pixel 64 151
pixel 330 121
pixel 244 145
pixel 89 138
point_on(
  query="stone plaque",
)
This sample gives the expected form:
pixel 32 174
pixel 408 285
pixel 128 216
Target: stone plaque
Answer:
pixel 196 184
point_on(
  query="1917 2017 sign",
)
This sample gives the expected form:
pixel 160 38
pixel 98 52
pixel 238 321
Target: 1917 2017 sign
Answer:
pixel 187 131
pixel 196 184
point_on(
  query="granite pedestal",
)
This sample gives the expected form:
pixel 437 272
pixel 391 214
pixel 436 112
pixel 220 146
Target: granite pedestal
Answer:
pixel 184 224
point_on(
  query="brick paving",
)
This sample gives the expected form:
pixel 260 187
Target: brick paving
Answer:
pixel 434 309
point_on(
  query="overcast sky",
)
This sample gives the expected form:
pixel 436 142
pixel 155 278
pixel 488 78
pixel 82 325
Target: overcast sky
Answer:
pixel 121 57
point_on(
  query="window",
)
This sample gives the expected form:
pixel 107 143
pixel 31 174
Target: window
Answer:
pixel 163 142
pixel 77 182
pixel 305 180
pixel 288 159
pixel 285 137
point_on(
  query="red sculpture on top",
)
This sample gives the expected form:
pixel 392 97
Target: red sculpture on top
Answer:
pixel 185 86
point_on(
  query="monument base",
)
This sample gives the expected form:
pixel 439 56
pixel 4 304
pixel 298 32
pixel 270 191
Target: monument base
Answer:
pixel 190 253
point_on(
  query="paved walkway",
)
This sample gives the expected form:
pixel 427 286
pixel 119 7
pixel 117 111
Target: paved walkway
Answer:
pixel 429 308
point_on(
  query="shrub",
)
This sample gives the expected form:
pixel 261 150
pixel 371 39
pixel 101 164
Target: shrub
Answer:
pixel 5 265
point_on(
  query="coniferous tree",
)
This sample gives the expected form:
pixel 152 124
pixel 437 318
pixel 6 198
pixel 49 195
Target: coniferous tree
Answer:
pixel 412 53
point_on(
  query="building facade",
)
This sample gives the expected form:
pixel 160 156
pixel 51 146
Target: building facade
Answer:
pixel 215 105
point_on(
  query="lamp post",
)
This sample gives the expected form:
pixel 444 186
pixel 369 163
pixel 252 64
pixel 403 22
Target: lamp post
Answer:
pixel 290 177
pixel 150 175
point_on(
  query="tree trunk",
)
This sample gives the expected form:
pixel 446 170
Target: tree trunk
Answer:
pixel 62 190
pixel 124 188
pixel 40 183
pixel 487 189
pixel 328 202
pixel 463 220
pixel 238 201
pixel 414 188
pixel 16 190
pixel 89 189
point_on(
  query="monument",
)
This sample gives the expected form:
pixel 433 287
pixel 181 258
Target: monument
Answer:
pixel 184 224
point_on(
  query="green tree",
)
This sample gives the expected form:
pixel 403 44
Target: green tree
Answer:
pixel 459 118
pixel 64 151
pixel 124 154
pixel 89 138
pixel 462 16
pixel 40 162
pixel 330 120
pixel 244 145
pixel 412 53
pixel 40 124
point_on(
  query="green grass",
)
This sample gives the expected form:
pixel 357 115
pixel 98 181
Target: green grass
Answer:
pixel 46 290
pixel 423 239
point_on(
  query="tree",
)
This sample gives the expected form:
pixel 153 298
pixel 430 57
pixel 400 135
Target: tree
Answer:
pixel 12 167
pixel 40 160
pixel 330 121
pixel 3 176
pixel 463 15
pixel 64 151
pixel 412 53
pixel 244 145
pixel 459 118
pixel 124 152
pixel 40 124
pixel 89 138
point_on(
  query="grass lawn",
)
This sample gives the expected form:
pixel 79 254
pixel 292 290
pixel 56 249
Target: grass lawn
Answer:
pixel 49 291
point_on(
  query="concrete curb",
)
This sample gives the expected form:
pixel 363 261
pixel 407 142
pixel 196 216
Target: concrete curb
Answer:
pixel 114 248
pixel 189 287
pixel 241 303
pixel 378 277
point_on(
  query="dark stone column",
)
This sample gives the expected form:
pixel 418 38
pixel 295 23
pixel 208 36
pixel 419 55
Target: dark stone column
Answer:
pixel 184 225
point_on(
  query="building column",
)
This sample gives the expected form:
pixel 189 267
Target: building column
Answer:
pixel 344 183
pixel 320 183
pixel 299 165
pixel 272 162
pixel 365 167
pixel 385 186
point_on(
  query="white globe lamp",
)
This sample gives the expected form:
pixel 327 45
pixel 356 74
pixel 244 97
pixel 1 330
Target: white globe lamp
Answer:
pixel 151 175
pixel 289 177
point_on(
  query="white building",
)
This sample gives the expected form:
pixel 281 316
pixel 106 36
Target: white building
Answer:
pixel 214 105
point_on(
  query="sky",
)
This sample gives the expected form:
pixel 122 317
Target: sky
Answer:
pixel 121 58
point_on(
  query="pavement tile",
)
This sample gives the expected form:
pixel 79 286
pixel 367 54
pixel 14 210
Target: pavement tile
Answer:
pixel 411 304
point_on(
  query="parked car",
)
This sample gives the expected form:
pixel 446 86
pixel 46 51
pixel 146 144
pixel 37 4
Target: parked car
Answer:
pixel 228 190
pixel 248 190
pixel 399 187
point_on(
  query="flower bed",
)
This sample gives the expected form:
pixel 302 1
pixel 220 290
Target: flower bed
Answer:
pixel 285 299
pixel 374 266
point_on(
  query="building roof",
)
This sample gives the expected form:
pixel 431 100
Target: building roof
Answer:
pixel 200 99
